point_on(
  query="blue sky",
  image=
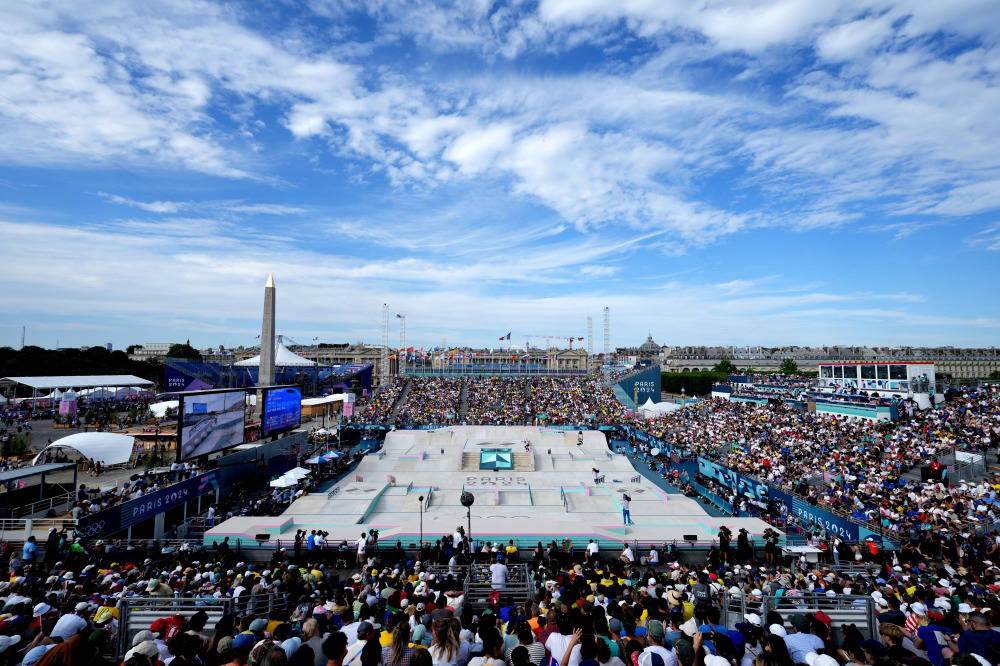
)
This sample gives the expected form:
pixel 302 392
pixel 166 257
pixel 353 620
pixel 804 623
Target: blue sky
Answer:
pixel 743 172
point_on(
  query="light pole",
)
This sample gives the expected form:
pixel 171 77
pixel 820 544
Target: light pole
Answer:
pixel 683 398
pixel 468 499
pixel 420 546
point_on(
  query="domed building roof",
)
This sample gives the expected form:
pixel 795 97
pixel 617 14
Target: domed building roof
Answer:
pixel 649 347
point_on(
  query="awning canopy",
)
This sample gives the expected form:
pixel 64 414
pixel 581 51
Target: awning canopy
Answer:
pixel 107 448
pixel 75 381
pixel 283 358
pixel 34 470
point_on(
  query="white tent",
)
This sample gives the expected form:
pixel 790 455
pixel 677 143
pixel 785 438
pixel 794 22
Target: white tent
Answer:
pixel 283 482
pixel 297 473
pixel 283 358
pixel 108 448
pixel 651 409
pixel 159 409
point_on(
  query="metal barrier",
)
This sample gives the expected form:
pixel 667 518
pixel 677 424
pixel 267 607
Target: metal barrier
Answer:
pixel 842 609
pixel 518 589
pixel 59 502
pixel 22 528
pixel 137 613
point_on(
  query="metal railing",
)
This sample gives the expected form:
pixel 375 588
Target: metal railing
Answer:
pixel 137 613
pixel 60 502
pixel 842 609
pixel 479 586
pixel 22 528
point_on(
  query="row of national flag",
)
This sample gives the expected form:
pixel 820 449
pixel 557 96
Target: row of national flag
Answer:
pixel 437 354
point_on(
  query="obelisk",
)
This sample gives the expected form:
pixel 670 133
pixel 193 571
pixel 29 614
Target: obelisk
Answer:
pixel 265 376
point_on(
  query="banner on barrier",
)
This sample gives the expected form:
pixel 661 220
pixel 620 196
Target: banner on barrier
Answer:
pixel 730 479
pixel 807 513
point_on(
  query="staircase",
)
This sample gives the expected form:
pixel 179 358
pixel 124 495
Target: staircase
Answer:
pixel 400 401
pixel 463 401
pixel 470 460
pixel 524 462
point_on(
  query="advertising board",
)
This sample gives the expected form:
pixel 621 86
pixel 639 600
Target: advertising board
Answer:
pixel 644 386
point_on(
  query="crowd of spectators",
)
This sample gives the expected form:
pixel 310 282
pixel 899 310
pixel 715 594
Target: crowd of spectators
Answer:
pixel 584 607
pixel 432 400
pixel 850 465
pixel 499 401
pixel 377 408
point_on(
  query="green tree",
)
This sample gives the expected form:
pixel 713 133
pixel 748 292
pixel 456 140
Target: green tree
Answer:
pixel 789 367
pixel 184 351
pixel 725 367
pixel 995 374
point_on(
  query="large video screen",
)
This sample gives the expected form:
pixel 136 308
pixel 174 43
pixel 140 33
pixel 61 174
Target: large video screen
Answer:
pixel 211 421
pixel 282 408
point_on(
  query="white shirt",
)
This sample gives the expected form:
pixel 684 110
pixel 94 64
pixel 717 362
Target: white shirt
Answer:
pixel 556 644
pixel 352 657
pixel 592 547
pixel 499 571
pixel 351 631
pixel 361 545
pixel 627 554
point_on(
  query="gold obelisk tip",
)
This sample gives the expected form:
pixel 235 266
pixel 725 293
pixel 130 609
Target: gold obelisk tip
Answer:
pixel 270 281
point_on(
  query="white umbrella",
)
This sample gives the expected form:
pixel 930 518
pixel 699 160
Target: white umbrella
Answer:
pixel 283 482
pixel 655 452
pixel 297 473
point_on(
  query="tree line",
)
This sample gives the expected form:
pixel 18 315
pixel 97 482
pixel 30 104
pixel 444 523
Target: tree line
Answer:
pixel 31 361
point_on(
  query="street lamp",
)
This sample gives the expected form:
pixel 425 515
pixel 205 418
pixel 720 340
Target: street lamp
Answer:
pixel 420 547
pixel 683 398
pixel 468 499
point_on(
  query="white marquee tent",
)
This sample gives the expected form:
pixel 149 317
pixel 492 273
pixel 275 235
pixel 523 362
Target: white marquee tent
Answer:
pixel 76 381
pixel 283 358
pixel 108 448
pixel 651 409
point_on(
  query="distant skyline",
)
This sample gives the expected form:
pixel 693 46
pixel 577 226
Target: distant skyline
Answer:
pixel 742 172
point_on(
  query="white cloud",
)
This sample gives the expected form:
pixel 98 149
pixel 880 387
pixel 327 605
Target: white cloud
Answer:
pixel 135 276
pixel 150 206
pixel 848 41
pixel 988 238
pixel 170 207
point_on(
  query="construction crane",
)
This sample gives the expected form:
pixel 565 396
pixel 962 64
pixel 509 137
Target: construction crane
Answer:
pixel 538 336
